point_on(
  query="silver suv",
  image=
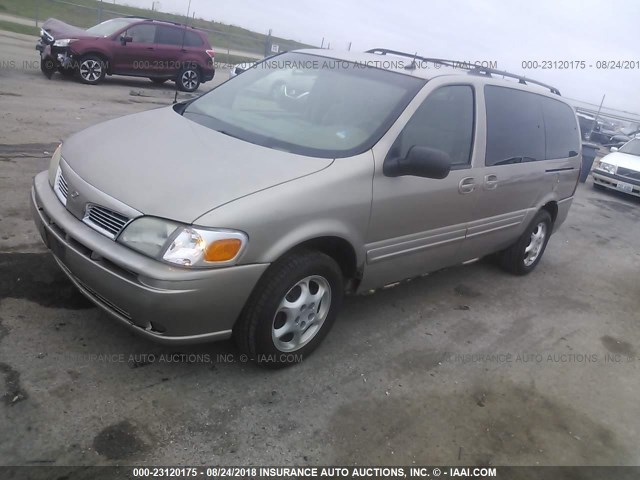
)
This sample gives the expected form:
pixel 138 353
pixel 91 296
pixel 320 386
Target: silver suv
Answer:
pixel 247 214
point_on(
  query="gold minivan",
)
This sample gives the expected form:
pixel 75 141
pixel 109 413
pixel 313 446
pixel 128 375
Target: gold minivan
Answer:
pixel 249 213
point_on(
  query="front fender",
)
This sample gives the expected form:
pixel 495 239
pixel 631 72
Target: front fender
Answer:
pixel 333 202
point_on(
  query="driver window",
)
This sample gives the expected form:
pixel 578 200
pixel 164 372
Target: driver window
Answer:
pixel 444 121
pixel 142 33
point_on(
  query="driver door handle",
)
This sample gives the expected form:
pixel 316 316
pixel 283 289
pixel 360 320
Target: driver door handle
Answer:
pixel 467 185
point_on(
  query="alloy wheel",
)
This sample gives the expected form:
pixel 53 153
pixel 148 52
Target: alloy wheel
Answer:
pixel 301 313
pixel 90 70
pixel 536 242
pixel 189 80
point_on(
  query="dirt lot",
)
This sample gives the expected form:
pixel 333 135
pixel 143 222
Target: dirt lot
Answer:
pixel 400 380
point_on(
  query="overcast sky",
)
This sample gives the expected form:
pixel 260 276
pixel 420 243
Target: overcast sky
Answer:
pixel 508 32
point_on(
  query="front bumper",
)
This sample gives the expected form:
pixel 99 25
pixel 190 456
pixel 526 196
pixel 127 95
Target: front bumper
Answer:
pixel 61 56
pixel 610 180
pixel 167 304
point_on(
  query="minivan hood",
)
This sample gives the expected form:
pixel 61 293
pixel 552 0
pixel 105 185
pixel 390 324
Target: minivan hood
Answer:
pixel 623 160
pixel 162 164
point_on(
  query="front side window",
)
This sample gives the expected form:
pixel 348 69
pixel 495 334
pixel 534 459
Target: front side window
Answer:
pixel 515 129
pixel 143 33
pixel 307 104
pixel 632 147
pixel 444 122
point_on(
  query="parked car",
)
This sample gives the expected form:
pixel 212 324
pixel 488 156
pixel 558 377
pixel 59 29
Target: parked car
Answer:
pixel 234 216
pixel 136 47
pixel 620 170
pixel 618 140
pixel 283 84
pixel 240 67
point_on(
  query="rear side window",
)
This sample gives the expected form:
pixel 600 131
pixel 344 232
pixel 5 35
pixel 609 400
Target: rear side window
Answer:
pixel 192 39
pixel 169 36
pixel 560 128
pixel 515 128
pixel 444 121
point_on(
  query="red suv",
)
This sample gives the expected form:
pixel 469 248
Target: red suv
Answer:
pixel 137 47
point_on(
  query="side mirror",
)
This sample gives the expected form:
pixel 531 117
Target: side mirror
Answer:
pixel 613 149
pixel 124 39
pixel 419 162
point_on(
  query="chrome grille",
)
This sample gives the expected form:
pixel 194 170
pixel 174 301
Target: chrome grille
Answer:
pixel 105 221
pixel 627 172
pixel 60 187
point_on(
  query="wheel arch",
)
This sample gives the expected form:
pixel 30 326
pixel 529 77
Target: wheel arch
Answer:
pixel 552 208
pixel 337 248
pixel 334 245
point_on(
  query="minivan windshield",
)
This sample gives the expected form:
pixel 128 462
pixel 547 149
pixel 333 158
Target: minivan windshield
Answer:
pixel 307 104
pixel 632 147
pixel 110 27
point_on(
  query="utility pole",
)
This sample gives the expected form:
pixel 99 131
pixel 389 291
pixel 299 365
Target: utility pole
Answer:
pixel 595 122
pixel 267 45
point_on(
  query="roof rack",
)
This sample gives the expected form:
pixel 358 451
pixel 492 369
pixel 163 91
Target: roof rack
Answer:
pixel 473 69
pixel 159 20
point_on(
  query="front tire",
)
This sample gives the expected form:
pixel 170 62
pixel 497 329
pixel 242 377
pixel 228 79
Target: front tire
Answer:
pixel 524 255
pixel 291 309
pixel 48 67
pixel 92 69
pixel 66 72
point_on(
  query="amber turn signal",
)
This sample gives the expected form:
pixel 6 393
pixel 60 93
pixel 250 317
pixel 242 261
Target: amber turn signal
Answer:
pixel 222 250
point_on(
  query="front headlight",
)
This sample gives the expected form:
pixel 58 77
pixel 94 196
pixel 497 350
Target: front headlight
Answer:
pixel 608 167
pixel 184 245
pixel 54 163
pixel 64 42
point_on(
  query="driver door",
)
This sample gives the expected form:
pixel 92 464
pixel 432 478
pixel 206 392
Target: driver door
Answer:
pixel 419 224
pixel 138 56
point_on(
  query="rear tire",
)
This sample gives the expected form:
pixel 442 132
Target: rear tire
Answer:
pixel 92 69
pixel 189 78
pixel 291 309
pixel 524 255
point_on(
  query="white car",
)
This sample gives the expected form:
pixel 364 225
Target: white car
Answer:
pixel 239 68
pixel 620 170
pixel 280 82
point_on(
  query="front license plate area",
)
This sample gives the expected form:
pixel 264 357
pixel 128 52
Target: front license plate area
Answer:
pixel 625 187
